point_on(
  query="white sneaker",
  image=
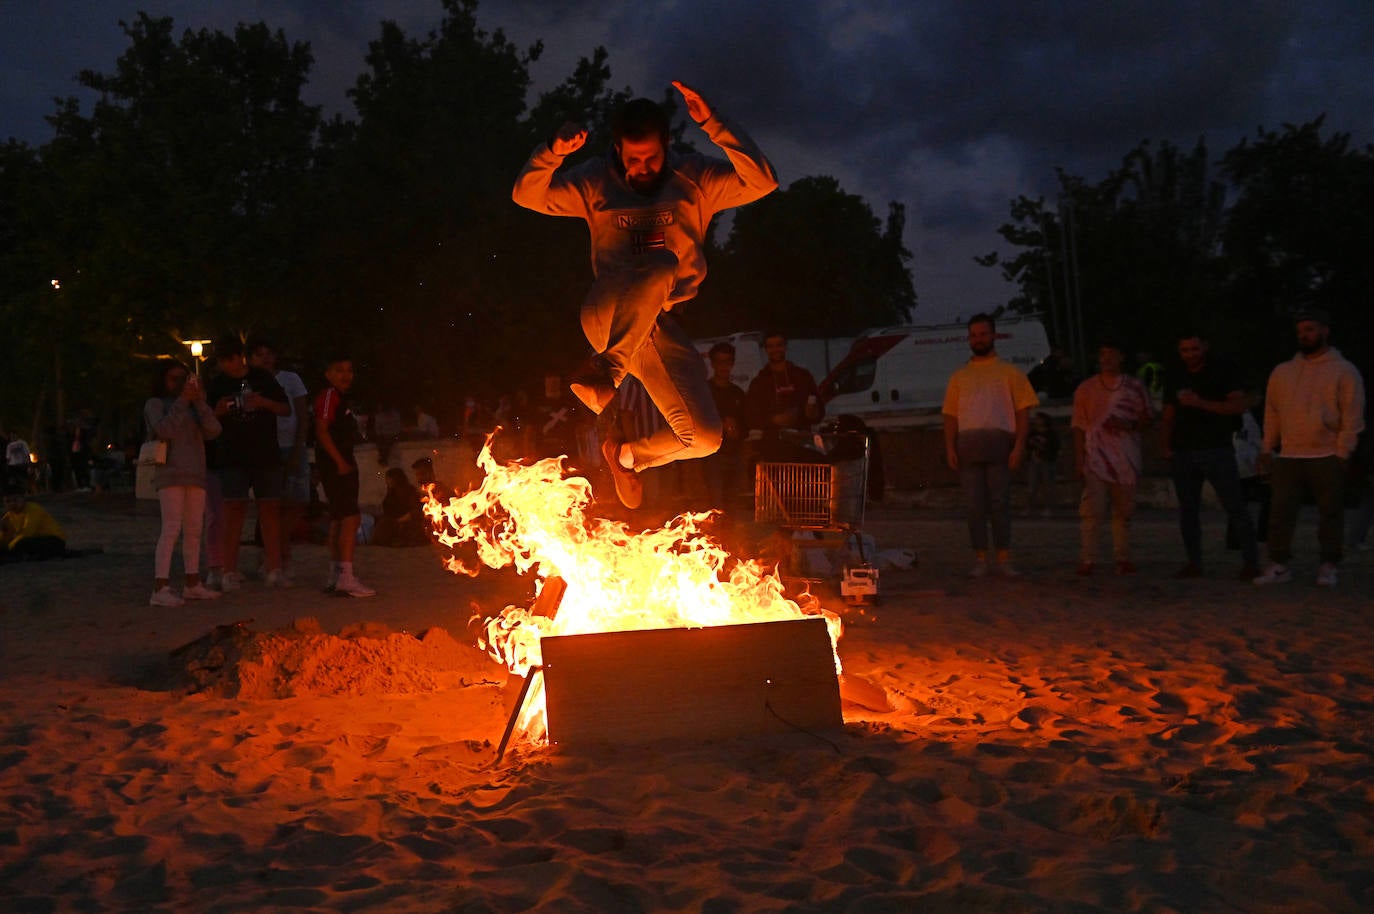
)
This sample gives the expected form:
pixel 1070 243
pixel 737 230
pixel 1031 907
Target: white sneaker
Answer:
pixel 278 578
pixel 1275 574
pixel 200 592
pixel 979 570
pixel 1326 575
pixel 230 582
pixel 213 579
pixel 331 582
pixel 348 584
pixel 163 596
pixel 1007 570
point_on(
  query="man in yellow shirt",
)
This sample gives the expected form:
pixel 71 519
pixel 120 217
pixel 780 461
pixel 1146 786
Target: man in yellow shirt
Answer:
pixel 986 411
pixel 27 531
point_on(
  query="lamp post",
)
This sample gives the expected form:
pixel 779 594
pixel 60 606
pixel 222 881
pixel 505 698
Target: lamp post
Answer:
pixel 197 348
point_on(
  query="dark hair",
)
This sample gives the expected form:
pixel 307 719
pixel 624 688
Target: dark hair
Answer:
pixel 1111 341
pixel 640 119
pixel 398 473
pixel 1187 333
pixel 722 348
pixel 770 334
pixel 982 318
pixel 256 342
pixel 228 346
pixel 335 358
pixel 161 368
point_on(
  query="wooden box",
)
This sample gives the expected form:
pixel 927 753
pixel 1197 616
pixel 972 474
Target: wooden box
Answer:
pixel 690 683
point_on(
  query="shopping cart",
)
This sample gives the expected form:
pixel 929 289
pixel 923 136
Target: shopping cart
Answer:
pixel 826 498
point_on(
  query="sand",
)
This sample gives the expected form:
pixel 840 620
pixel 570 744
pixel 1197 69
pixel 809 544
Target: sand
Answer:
pixel 1055 744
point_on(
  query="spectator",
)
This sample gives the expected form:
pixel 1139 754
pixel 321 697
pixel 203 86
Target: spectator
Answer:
pixel 1042 458
pixel 1203 400
pixel 292 431
pixel 386 429
pixel 1313 416
pixel 986 410
pixel 178 414
pixel 1110 410
pixel 423 468
pixel 402 521
pixel 335 433
pixel 426 426
pixel 17 463
pixel 28 532
pixel 722 469
pixel 781 399
pixel 245 457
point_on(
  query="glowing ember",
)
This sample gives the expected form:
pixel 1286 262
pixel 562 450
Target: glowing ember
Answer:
pixel 534 519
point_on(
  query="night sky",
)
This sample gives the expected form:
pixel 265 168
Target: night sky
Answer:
pixel 951 108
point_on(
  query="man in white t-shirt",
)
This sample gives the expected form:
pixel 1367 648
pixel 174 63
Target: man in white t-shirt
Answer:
pixel 291 433
pixel 986 411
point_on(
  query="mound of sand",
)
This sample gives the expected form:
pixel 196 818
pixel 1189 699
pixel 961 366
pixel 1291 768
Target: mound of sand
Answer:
pixel 233 661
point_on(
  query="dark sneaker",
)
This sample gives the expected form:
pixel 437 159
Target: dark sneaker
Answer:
pixel 1085 570
pixel 1190 570
pixel 1248 573
pixel 628 487
pixel 1125 567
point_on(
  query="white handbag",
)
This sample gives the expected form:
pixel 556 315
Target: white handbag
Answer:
pixel 153 453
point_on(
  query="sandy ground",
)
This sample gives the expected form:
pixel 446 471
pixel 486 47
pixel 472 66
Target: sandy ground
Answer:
pixel 1058 744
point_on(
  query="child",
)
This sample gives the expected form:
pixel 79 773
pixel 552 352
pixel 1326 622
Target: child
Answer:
pixel 335 432
pixel 1042 452
pixel 402 522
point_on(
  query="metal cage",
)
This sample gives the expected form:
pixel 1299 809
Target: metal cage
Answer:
pixel 812 496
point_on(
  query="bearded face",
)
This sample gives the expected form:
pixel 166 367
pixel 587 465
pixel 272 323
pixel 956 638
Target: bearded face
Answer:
pixel 643 161
pixel 1312 336
pixel 981 339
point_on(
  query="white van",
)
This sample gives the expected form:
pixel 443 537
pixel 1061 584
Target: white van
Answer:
pixel 895 373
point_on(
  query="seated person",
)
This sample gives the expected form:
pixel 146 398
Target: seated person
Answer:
pixel 402 521
pixel 424 476
pixel 28 531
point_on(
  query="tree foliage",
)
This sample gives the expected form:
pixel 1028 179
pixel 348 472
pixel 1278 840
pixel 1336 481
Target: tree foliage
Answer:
pixel 811 260
pixel 1173 240
pixel 200 195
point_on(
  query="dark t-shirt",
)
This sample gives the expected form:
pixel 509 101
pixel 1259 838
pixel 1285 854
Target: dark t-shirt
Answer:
pixel 249 438
pixel 770 394
pixel 1197 429
pixel 730 404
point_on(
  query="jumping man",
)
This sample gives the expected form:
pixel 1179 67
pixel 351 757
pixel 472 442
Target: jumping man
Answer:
pixel 647 209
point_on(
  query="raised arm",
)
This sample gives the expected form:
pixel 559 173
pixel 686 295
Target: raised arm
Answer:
pixel 539 188
pixel 748 175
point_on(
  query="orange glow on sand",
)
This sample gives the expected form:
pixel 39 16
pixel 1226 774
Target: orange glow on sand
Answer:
pixel 534 519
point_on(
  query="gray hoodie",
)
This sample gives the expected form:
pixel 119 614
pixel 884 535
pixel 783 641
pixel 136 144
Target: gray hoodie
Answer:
pixel 185 428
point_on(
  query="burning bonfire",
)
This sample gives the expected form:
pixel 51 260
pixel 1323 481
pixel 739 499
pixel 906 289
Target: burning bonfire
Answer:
pixel 534 519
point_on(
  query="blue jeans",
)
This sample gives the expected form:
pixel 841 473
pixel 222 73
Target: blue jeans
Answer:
pixel 623 319
pixel 1217 466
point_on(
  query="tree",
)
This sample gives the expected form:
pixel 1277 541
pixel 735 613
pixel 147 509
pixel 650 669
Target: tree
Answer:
pixel 1300 232
pixel 1136 254
pixel 810 260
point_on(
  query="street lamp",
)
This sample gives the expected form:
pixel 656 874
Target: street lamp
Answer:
pixel 197 348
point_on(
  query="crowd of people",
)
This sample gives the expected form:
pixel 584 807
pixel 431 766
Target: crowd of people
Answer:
pixel 1313 423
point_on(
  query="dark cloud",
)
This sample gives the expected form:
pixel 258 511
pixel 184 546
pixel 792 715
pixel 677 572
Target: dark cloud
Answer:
pixel 952 108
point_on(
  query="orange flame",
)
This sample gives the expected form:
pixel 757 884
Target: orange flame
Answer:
pixel 534 519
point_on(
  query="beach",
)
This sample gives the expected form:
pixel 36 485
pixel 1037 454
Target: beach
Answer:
pixel 1054 743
